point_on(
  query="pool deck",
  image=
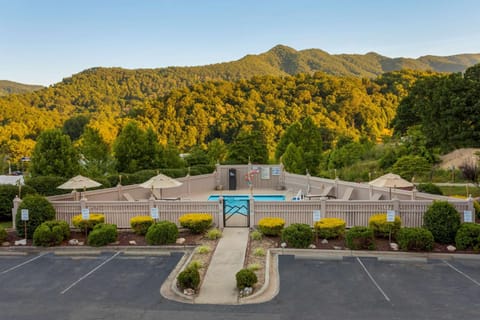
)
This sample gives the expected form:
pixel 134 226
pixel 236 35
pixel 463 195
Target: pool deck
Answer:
pixel 203 196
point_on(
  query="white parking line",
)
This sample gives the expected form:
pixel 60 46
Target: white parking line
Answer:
pixel 462 273
pixel 23 263
pixel 373 280
pixel 92 271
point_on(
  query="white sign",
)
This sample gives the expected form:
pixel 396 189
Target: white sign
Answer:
pixel 276 171
pixel 467 216
pixel 85 214
pixel 24 214
pixel 265 173
pixel 390 215
pixel 316 215
pixel 154 213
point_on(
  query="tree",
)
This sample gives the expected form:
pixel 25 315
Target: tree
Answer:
pixel 129 148
pixel 95 153
pixel 54 155
pixel 75 126
pixel 248 146
pixel 410 166
pixel 293 159
pixel 217 151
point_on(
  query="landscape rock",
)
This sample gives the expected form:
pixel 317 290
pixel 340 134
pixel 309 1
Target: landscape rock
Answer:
pixel 22 242
pixel 394 246
pixel 451 248
pixel 246 291
pixel 337 248
pixel 116 243
pixel 312 246
pixel 180 241
pixel 324 241
pixel 189 292
pixel 81 243
pixel 73 242
pixel 132 242
pixel 5 244
pixel 283 245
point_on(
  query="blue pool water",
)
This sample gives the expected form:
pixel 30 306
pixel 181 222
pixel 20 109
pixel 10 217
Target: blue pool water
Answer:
pixel 267 197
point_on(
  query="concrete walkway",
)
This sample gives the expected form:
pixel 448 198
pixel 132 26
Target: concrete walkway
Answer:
pixel 219 285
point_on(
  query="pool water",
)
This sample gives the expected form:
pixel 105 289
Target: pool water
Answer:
pixel 266 197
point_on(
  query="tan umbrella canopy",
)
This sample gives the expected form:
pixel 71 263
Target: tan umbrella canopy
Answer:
pixel 79 182
pixel 391 180
pixel 160 181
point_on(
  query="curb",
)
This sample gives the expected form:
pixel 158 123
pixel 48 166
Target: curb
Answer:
pixel 169 290
pixel 146 250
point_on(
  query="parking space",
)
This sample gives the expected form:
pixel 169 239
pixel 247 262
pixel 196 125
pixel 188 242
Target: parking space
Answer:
pixel 112 285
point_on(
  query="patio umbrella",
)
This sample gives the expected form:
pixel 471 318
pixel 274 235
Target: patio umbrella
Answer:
pixel 79 182
pixel 391 180
pixel 160 181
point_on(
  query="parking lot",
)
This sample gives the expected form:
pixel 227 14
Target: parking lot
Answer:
pixel 113 285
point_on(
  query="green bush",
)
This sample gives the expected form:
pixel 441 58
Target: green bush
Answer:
pixel 476 206
pixel 468 236
pixel 7 194
pixel 256 235
pixel 189 278
pixel 88 225
pixel 163 232
pixel 415 239
pixel 358 238
pixel 39 211
pixel 140 224
pixel 443 220
pixel 381 228
pixel 196 222
pixel 51 233
pixel 3 234
pixel 214 234
pixel 102 234
pixel 298 235
pixel 246 278
pixel 47 185
pixel 429 188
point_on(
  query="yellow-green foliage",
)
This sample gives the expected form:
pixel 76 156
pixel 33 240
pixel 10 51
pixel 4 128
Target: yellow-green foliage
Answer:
pixel 381 227
pixel 213 234
pixel 330 228
pixel 203 249
pixel 259 252
pixel 84 225
pixel 196 222
pixel 270 226
pixel 140 224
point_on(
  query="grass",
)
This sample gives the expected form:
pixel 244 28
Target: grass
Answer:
pixel 460 191
pixel 6 224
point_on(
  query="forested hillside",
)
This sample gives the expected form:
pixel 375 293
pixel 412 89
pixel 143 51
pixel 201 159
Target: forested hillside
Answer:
pixel 10 87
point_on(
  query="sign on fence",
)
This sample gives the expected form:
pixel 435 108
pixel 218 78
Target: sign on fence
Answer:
pixel 390 215
pixel 85 214
pixel 154 213
pixel 467 216
pixel 316 215
pixel 24 213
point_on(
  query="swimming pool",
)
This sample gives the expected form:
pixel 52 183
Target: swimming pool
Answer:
pixel 256 197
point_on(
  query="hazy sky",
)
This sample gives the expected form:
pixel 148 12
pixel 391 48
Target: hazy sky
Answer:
pixel 43 41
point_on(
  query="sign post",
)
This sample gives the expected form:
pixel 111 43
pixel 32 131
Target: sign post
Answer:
pixel 390 218
pixel 86 216
pixel 24 214
pixel 154 214
pixel 467 216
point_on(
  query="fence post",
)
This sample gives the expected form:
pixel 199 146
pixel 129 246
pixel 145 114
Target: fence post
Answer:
pixel 470 206
pixel 396 206
pixel 220 212
pixel 323 207
pixel 16 204
pixel 83 203
pixel 251 214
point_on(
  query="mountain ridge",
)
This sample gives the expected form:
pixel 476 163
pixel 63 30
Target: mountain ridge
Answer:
pixel 12 87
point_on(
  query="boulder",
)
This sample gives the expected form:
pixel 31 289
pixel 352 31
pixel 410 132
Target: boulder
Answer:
pixel 312 246
pixel 189 292
pixel 81 243
pixel 324 241
pixel 180 241
pixel 337 248
pixel 451 248
pixel 5 244
pixel 394 246
pixel 22 242
pixel 132 242
pixel 73 242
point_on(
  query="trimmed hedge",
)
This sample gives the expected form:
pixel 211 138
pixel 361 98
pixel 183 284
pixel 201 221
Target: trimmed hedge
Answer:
pixel 39 211
pixel 429 188
pixel 102 234
pixel 443 220
pixel 163 232
pixel 196 222
pixel 7 194
pixel 189 278
pixel 330 228
pixel 271 226
pixel 140 224
pixel 47 185
pixel 246 278
pixel 358 238
pixel 468 236
pixel 381 228
pixel 88 225
pixel 419 239
pixel 51 233
pixel 298 235
pixel 3 234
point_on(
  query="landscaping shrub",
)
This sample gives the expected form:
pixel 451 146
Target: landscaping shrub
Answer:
pixel 189 278
pixel 468 236
pixel 271 226
pixel 88 225
pixel 102 234
pixel 39 211
pixel 443 220
pixel 254 267
pixel 140 224
pixel 3 234
pixel 298 235
pixel 195 264
pixel 358 238
pixel 7 194
pixel 246 278
pixel 214 234
pixel 330 228
pixel 203 249
pixel 163 232
pixel 476 206
pixel 415 239
pixel 429 188
pixel 196 222
pixel 381 228
pixel 259 252
pixel 256 235
pixel 47 185
pixel 51 233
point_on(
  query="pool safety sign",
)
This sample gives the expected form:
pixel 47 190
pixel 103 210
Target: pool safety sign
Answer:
pixel 24 214
pixel 390 215
pixel 85 214
pixel 467 216
pixel 265 173
pixel 154 213
pixel 316 215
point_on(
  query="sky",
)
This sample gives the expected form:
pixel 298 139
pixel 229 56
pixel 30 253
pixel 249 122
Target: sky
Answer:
pixel 44 41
